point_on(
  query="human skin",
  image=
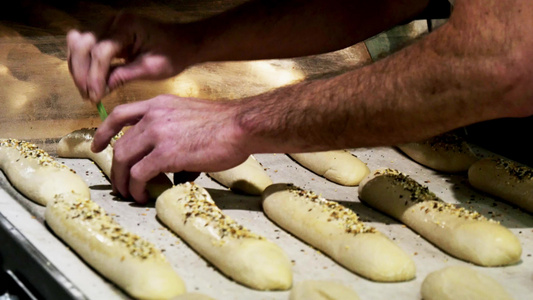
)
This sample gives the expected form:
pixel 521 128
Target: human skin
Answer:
pixel 476 67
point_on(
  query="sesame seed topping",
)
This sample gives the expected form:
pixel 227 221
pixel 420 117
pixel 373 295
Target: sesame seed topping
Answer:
pixel 348 219
pixel 91 215
pixel 198 204
pixel 31 151
pixel 521 173
pixel 420 194
pixel 449 142
pixel 87 134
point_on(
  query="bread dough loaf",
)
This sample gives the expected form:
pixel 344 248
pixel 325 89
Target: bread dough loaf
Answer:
pixel 126 259
pixel 461 282
pixel 250 259
pixel 464 234
pixel 505 179
pixel 322 290
pixel 339 166
pixel 446 153
pixel 36 174
pixel 77 144
pixel 248 178
pixel 192 296
pixel 338 232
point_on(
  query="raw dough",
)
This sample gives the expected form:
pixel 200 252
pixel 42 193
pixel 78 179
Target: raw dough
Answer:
pixel 77 144
pixel 322 290
pixel 505 179
pixel 339 166
pixel 338 232
pixel 250 259
pixel 126 259
pixel 36 174
pixel 447 153
pixel 248 178
pixel 464 234
pixel 461 282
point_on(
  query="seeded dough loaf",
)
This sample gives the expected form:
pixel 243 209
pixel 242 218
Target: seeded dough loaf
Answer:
pixel 77 144
pixel 464 234
pixel 447 153
pixel 248 178
pixel 126 259
pixel 338 232
pixel 36 174
pixel 250 259
pixel 321 290
pixel 505 179
pixel 461 282
pixel 339 166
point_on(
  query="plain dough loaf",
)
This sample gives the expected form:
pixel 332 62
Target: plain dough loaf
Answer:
pixel 248 178
pixel 339 166
pixel 461 282
pixel 322 290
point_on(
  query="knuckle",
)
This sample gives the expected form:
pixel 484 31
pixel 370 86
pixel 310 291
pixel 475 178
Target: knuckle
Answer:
pixel 118 112
pixel 98 51
pixel 119 156
pixel 136 174
pixel 155 133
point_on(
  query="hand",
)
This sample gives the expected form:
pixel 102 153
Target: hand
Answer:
pixel 150 49
pixel 169 134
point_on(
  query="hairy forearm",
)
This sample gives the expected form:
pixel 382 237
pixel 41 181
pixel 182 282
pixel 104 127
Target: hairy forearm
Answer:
pixel 467 71
pixel 290 28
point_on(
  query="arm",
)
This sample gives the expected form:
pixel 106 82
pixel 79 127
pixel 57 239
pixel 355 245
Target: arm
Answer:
pixel 476 67
pixel 254 30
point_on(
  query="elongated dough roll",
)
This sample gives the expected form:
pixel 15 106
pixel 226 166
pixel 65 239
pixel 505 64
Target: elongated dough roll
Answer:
pixel 36 174
pixel 338 232
pixel 504 179
pixel 339 166
pixel 242 255
pixel 461 282
pixel 77 144
pixel 192 296
pixel 446 153
pixel 126 259
pixel 464 234
pixel 321 290
pixel 248 177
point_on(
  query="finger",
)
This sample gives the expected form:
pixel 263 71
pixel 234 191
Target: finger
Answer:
pixel 79 58
pixel 101 55
pixel 144 67
pixel 146 169
pixel 122 115
pixel 130 149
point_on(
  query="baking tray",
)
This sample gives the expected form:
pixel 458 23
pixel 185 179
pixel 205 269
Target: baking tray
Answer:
pixel 308 263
